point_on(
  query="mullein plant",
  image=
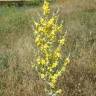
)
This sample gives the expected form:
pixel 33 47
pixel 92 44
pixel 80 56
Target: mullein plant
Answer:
pixel 49 43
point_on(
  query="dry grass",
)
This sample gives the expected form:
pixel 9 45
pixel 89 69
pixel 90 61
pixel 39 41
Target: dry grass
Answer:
pixel 17 50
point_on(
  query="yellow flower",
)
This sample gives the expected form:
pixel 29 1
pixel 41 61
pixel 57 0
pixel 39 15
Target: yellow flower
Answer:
pixel 67 60
pixel 45 46
pixel 43 61
pixel 62 41
pixel 54 79
pixel 54 65
pixel 52 35
pixel 40 29
pixel 41 20
pixel 49 69
pixel 42 76
pixel 51 21
pixel 52 85
pixel 59 91
pixel 38 40
pixel 59 28
pixel 46 8
pixel 57 54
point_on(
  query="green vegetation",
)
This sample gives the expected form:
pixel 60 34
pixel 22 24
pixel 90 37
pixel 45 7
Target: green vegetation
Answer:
pixel 17 51
pixel 24 2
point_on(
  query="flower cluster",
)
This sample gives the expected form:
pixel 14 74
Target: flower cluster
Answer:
pixel 49 45
pixel 46 8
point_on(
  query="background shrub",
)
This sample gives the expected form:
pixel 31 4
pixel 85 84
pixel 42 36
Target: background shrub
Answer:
pixel 24 3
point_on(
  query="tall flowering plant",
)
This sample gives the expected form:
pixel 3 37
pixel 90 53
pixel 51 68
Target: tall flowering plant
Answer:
pixel 49 44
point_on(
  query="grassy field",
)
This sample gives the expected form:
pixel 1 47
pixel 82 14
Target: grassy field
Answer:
pixel 17 50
